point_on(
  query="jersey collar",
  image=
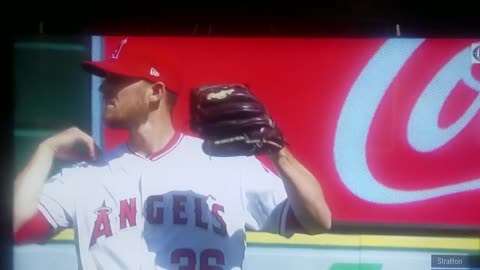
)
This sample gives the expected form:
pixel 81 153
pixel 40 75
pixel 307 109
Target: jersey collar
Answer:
pixel 172 144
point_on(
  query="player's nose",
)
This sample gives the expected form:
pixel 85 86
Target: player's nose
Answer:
pixel 102 87
pixel 106 90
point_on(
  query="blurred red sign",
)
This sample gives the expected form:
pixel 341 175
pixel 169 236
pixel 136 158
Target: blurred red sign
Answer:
pixel 390 127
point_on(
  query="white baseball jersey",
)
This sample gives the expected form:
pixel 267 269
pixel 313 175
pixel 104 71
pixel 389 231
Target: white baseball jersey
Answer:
pixel 179 209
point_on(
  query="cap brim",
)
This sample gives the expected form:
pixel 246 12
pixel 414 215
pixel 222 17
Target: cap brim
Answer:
pixel 95 68
pixel 102 68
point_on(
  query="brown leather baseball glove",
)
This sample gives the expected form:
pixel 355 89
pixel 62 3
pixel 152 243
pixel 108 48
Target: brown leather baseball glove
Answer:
pixel 233 122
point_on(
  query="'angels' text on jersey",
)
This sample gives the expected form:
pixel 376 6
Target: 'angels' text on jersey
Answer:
pixel 178 210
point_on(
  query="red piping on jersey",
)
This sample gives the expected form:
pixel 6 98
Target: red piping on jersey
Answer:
pixel 174 141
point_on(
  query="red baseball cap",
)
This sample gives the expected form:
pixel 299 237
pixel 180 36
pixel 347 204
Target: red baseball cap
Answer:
pixel 136 57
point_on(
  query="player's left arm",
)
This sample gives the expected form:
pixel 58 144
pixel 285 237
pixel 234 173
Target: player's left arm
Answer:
pixel 305 195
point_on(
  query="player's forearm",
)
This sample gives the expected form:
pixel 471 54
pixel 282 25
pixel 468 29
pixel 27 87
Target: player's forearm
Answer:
pixel 304 193
pixel 29 184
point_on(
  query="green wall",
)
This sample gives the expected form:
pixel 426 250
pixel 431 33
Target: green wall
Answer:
pixel 52 92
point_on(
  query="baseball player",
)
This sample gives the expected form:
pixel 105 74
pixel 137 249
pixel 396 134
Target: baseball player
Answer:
pixel 158 201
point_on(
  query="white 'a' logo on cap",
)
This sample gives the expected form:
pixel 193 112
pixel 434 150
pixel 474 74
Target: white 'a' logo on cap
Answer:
pixel 117 51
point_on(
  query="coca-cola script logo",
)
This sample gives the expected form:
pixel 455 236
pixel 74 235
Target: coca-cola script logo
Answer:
pixel 362 103
pixel 476 53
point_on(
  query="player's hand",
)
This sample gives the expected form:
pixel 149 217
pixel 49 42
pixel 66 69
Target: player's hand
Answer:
pixel 68 145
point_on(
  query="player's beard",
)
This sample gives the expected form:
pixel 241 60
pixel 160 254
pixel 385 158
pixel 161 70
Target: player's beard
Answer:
pixel 125 118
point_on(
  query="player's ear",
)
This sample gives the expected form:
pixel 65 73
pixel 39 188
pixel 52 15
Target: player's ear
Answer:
pixel 157 93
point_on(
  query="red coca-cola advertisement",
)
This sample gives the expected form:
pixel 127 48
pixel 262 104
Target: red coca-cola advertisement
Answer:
pixel 390 127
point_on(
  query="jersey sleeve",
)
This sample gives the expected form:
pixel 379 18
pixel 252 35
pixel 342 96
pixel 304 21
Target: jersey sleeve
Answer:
pixel 264 199
pixel 35 230
pixel 57 201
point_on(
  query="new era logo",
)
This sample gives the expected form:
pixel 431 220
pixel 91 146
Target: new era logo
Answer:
pixel 154 72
